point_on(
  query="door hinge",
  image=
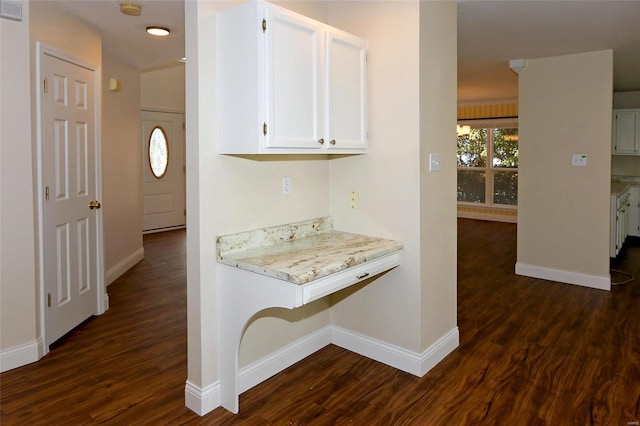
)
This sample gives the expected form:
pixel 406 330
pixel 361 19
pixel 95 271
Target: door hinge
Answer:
pixel 264 26
pixel 48 300
pixel 264 129
pixel 184 212
pixel 184 126
pixel 45 85
pixel 46 193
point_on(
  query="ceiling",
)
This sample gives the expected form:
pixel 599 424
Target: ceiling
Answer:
pixel 124 36
pixel 490 33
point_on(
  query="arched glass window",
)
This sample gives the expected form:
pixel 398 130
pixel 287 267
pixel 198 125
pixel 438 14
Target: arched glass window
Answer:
pixel 158 152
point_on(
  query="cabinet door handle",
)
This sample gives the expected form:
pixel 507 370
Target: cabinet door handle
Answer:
pixel 333 142
pixel 321 141
pixel 365 275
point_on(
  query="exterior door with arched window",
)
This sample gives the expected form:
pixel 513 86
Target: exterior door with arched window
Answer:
pixel 163 171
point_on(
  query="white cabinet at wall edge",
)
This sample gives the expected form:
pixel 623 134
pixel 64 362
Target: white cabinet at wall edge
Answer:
pixel 619 219
pixel 288 84
pixel 633 218
pixel 626 132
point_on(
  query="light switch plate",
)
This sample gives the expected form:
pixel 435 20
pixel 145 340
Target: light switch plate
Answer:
pixel 579 160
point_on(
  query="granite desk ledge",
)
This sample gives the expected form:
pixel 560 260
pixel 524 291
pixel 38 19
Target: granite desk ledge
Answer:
pixel 308 256
pixel 296 264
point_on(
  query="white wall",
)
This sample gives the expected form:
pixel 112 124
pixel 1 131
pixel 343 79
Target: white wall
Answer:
pixel 58 29
pixel 163 89
pixel 412 111
pixel 17 235
pixel 387 177
pixel 438 199
pixel 121 168
pixel 625 165
pixel 563 212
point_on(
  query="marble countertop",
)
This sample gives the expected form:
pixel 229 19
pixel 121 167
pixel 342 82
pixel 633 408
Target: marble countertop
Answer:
pixel 301 252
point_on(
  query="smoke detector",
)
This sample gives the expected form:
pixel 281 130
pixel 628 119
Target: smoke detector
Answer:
pixel 131 9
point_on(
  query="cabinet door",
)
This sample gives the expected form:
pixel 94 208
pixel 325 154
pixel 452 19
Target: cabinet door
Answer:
pixel 346 92
pixel 626 132
pixel 293 81
pixel 633 219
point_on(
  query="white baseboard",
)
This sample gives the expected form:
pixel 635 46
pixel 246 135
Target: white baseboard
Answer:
pixel 259 371
pixel 21 355
pixel 204 400
pixel 417 364
pixel 123 266
pixel 439 350
pixel 592 281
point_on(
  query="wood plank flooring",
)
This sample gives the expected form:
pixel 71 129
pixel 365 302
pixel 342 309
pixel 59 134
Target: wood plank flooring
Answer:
pixel 532 352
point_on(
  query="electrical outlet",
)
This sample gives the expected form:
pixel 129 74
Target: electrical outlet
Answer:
pixel 286 185
pixel 434 162
pixel 354 199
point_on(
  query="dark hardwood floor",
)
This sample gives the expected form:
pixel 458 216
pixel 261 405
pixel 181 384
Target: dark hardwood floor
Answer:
pixel 532 352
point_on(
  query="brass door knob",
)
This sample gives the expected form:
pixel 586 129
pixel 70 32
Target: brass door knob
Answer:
pixel 95 204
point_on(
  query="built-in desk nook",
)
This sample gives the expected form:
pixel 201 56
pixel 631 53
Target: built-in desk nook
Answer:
pixel 287 266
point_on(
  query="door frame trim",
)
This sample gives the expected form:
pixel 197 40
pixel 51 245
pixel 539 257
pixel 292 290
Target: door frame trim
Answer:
pixel 43 50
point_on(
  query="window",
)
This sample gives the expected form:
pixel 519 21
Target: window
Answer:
pixel 158 152
pixel 488 166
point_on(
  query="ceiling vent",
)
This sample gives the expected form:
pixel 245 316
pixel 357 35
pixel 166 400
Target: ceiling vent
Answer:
pixel 131 9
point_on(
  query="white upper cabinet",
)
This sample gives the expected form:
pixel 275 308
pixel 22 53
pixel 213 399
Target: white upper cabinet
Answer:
pixel 294 81
pixel 626 132
pixel 288 84
pixel 346 91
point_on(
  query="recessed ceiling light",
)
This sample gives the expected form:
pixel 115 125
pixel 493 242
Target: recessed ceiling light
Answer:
pixel 158 31
pixel 131 9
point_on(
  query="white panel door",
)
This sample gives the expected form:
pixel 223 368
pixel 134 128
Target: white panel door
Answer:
pixel 346 91
pixel 164 201
pixel 294 81
pixel 70 184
